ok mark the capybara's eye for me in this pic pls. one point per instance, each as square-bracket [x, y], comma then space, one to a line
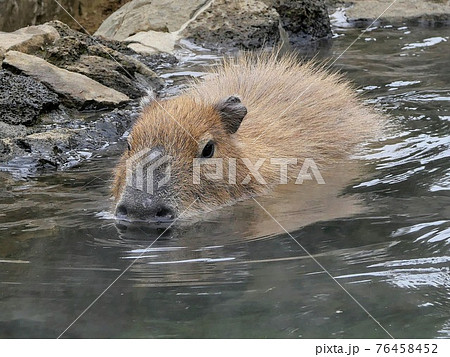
[129, 146]
[208, 150]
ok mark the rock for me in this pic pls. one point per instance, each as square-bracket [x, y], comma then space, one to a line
[9, 149]
[23, 100]
[152, 42]
[87, 13]
[248, 23]
[110, 74]
[427, 11]
[102, 60]
[4, 149]
[130, 66]
[73, 43]
[11, 131]
[145, 15]
[157, 60]
[66, 50]
[51, 143]
[151, 26]
[303, 20]
[74, 88]
[79, 72]
[51, 149]
[28, 39]
[64, 147]
[39, 142]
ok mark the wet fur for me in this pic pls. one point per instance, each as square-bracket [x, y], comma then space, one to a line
[294, 110]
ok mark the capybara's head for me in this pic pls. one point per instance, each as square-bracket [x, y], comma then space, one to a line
[172, 144]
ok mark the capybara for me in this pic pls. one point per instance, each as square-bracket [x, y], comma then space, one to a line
[249, 125]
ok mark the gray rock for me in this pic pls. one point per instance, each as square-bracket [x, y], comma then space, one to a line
[64, 147]
[50, 149]
[50, 145]
[108, 73]
[23, 100]
[74, 88]
[149, 26]
[150, 42]
[148, 15]
[5, 150]
[65, 31]
[88, 13]
[425, 12]
[12, 131]
[246, 24]
[303, 20]
[28, 39]
[143, 77]
[81, 72]
[103, 61]
[8, 150]
[157, 60]
[66, 51]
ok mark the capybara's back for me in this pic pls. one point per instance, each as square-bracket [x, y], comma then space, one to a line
[293, 109]
[251, 124]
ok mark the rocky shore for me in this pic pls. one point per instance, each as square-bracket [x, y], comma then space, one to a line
[53, 79]
[65, 95]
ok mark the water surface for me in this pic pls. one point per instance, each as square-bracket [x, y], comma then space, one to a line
[383, 235]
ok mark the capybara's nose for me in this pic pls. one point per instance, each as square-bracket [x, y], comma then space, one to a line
[122, 211]
[156, 213]
[164, 212]
[135, 205]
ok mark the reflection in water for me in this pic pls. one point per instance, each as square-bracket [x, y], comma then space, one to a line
[380, 225]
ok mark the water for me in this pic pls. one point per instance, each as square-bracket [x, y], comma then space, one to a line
[384, 235]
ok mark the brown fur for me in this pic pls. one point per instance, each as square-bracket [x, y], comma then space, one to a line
[294, 110]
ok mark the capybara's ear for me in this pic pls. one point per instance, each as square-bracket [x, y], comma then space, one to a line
[232, 111]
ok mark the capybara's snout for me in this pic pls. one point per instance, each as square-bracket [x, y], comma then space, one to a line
[137, 205]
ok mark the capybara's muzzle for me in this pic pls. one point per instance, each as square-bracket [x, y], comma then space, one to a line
[137, 205]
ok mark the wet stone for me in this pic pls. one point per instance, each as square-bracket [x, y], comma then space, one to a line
[23, 99]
